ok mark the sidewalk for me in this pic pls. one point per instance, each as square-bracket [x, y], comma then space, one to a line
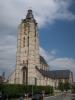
[27, 99]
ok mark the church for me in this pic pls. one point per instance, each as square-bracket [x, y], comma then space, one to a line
[31, 67]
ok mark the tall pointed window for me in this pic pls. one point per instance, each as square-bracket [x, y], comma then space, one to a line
[25, 31]
[28, 28]
[24, 42]
[28, 41]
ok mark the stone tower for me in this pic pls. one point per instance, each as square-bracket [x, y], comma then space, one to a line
[27, 51]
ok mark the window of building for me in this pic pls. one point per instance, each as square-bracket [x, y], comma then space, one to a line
[24, 26]
[28, 28]
[23, 62]
[25, 31]
[24, 42]
[28, 41]
[35, 32]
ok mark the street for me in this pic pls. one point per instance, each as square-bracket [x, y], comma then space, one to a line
[58, 98]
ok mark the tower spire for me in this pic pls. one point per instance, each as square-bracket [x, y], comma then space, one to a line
[29, 14]
[27, 51]
[29, 17]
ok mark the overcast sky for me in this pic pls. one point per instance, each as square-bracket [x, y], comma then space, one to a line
[56, 22]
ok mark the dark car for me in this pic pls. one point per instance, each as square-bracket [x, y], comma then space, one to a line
[0, 96]
[37, 97]
[73, 97]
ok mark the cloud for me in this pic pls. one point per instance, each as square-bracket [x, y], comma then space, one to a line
[45, 12]
[7, 54]
[47, 55]
[63, 63]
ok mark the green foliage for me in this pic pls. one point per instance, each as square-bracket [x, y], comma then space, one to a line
[67, 86]
[15, 90]
[61, 86]
[73, 88]
[64, 86]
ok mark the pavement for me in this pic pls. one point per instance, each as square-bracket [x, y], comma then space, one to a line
[58, 98]
[55, 98]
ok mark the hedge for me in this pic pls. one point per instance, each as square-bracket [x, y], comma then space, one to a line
[73, 88]
[15, 90]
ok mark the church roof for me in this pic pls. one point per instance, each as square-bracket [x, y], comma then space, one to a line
[55, 74]
[60, 74]
[29, 14]
[43, 60]
[29, 17]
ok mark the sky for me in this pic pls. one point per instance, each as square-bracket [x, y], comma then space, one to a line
[56, 26]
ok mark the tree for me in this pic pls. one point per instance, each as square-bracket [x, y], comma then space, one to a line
[67, 86]
[73, 88]
[64, 86]
[61, 86]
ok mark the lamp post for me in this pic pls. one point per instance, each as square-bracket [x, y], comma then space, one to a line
[33, 83]
[32, 91]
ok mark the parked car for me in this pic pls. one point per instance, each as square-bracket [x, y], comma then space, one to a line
[0, 96]
[73, 97]
[37, 97]
[3, 97]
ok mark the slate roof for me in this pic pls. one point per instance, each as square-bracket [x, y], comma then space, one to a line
[55, 74]
[29, 14]
[60, 74]
[29, 17]
[44, 73]
[43, 60]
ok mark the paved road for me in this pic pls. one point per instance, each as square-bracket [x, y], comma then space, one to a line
[58, 98]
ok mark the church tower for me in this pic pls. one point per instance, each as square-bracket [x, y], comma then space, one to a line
[27, 51]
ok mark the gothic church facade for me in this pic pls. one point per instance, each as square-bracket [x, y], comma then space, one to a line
[31, 67]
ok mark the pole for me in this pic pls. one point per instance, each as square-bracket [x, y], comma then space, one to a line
[32, 91]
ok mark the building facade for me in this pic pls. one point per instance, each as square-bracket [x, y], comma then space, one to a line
[31, 67]
[28, 57]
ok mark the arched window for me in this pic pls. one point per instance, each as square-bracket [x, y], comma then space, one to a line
[28, 41]
[24, 42]
[25, 75]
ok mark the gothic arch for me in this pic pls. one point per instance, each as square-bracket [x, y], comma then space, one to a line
[25, 75]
